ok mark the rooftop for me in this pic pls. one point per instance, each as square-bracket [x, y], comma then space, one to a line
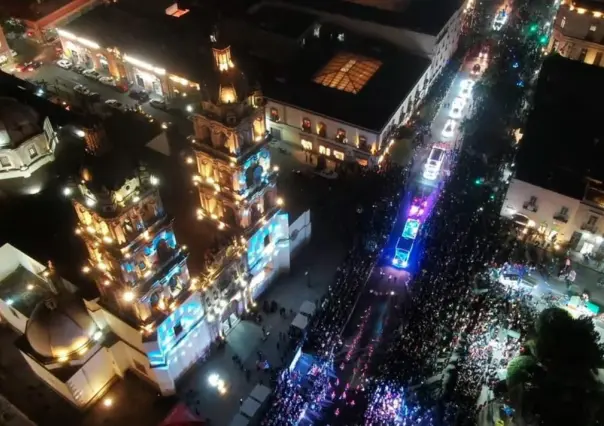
[563, 141]
[178, 45]
[23, 290]
[33, 10]
[358, 80]
[281, 21]
[424, 16]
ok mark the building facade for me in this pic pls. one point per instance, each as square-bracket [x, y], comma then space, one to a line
[125, 68]
[554, 219]
[578, 32]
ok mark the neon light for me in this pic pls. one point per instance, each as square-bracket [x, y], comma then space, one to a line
[404, 245]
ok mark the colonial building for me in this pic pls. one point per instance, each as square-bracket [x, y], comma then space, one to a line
[557, 191]
[578, 32]
[336, 99]
[27, 145]
[237, 191]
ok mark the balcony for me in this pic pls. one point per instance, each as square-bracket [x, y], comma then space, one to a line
[531, 207]
[561, 217]
[245, 150]
[590, 228]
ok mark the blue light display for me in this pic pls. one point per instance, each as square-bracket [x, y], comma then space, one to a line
[265, 238]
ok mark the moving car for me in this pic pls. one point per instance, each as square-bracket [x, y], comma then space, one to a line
[484, 53]
[112, 103]
[500, 20]
[404, 245]
[81, 89]
[64, 63]
[457, 107]
[158, 104]
[434, 163]
[139, 95]
[449, 129]
[28, 66]
[90, 73]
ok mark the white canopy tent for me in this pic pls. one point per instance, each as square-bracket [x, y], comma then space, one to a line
[308, 308]
[300, 321]
[260, 393]
[239, 420]
[249, 408]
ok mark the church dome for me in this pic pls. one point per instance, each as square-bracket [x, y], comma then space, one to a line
[59, 326]
[18, 122]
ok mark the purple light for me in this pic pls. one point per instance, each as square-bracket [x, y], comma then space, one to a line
[418, 207]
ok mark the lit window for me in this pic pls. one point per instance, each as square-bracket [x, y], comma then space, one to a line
[307, 145]
[5, 162]
[339, 155]
[324, 151]
[322, 130]
[274, 114]
[341, 136]
[32, 152]
[563, 22]
[592, 28]
[306, 125]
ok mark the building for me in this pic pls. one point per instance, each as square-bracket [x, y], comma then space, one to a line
[159, 51]
[556, 193]
[342, 95]
[237, 191]
[42, 17]
[76, 356]
[27, 147]
[578, 32]
[430, 29]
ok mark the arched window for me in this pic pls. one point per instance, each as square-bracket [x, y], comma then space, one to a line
[341, 136]
[306, 126]
[322, 129]
[274, 114]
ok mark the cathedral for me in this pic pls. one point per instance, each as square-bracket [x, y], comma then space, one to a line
[151, 317]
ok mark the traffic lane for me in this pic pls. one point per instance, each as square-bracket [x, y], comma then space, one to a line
[63, 81]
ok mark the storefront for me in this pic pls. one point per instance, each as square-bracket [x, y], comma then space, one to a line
[79, 55]
[147, 81]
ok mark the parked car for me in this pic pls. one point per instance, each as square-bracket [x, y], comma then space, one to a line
[94, 96]
[79, 69]
[90, 73]
[64, 63]
[81, 89]
[109, 81]
[112, 103]
[158, 104]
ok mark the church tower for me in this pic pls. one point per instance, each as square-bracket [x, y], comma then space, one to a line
[146, 295]
[236, 180]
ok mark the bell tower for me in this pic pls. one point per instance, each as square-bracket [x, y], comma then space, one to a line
[234, 174]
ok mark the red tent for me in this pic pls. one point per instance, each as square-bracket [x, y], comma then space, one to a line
[181, 416]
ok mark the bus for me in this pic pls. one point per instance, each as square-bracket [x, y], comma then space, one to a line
[404, 245]
[434, 163]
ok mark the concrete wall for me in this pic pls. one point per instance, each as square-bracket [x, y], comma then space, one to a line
[91, 381]
[12, 258]
[50, 379]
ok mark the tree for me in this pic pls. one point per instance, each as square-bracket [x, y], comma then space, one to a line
[555, 382]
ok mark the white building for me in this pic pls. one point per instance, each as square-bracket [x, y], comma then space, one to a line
[558, 218]
[557, 189]
[343, 95]
[27, 143]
